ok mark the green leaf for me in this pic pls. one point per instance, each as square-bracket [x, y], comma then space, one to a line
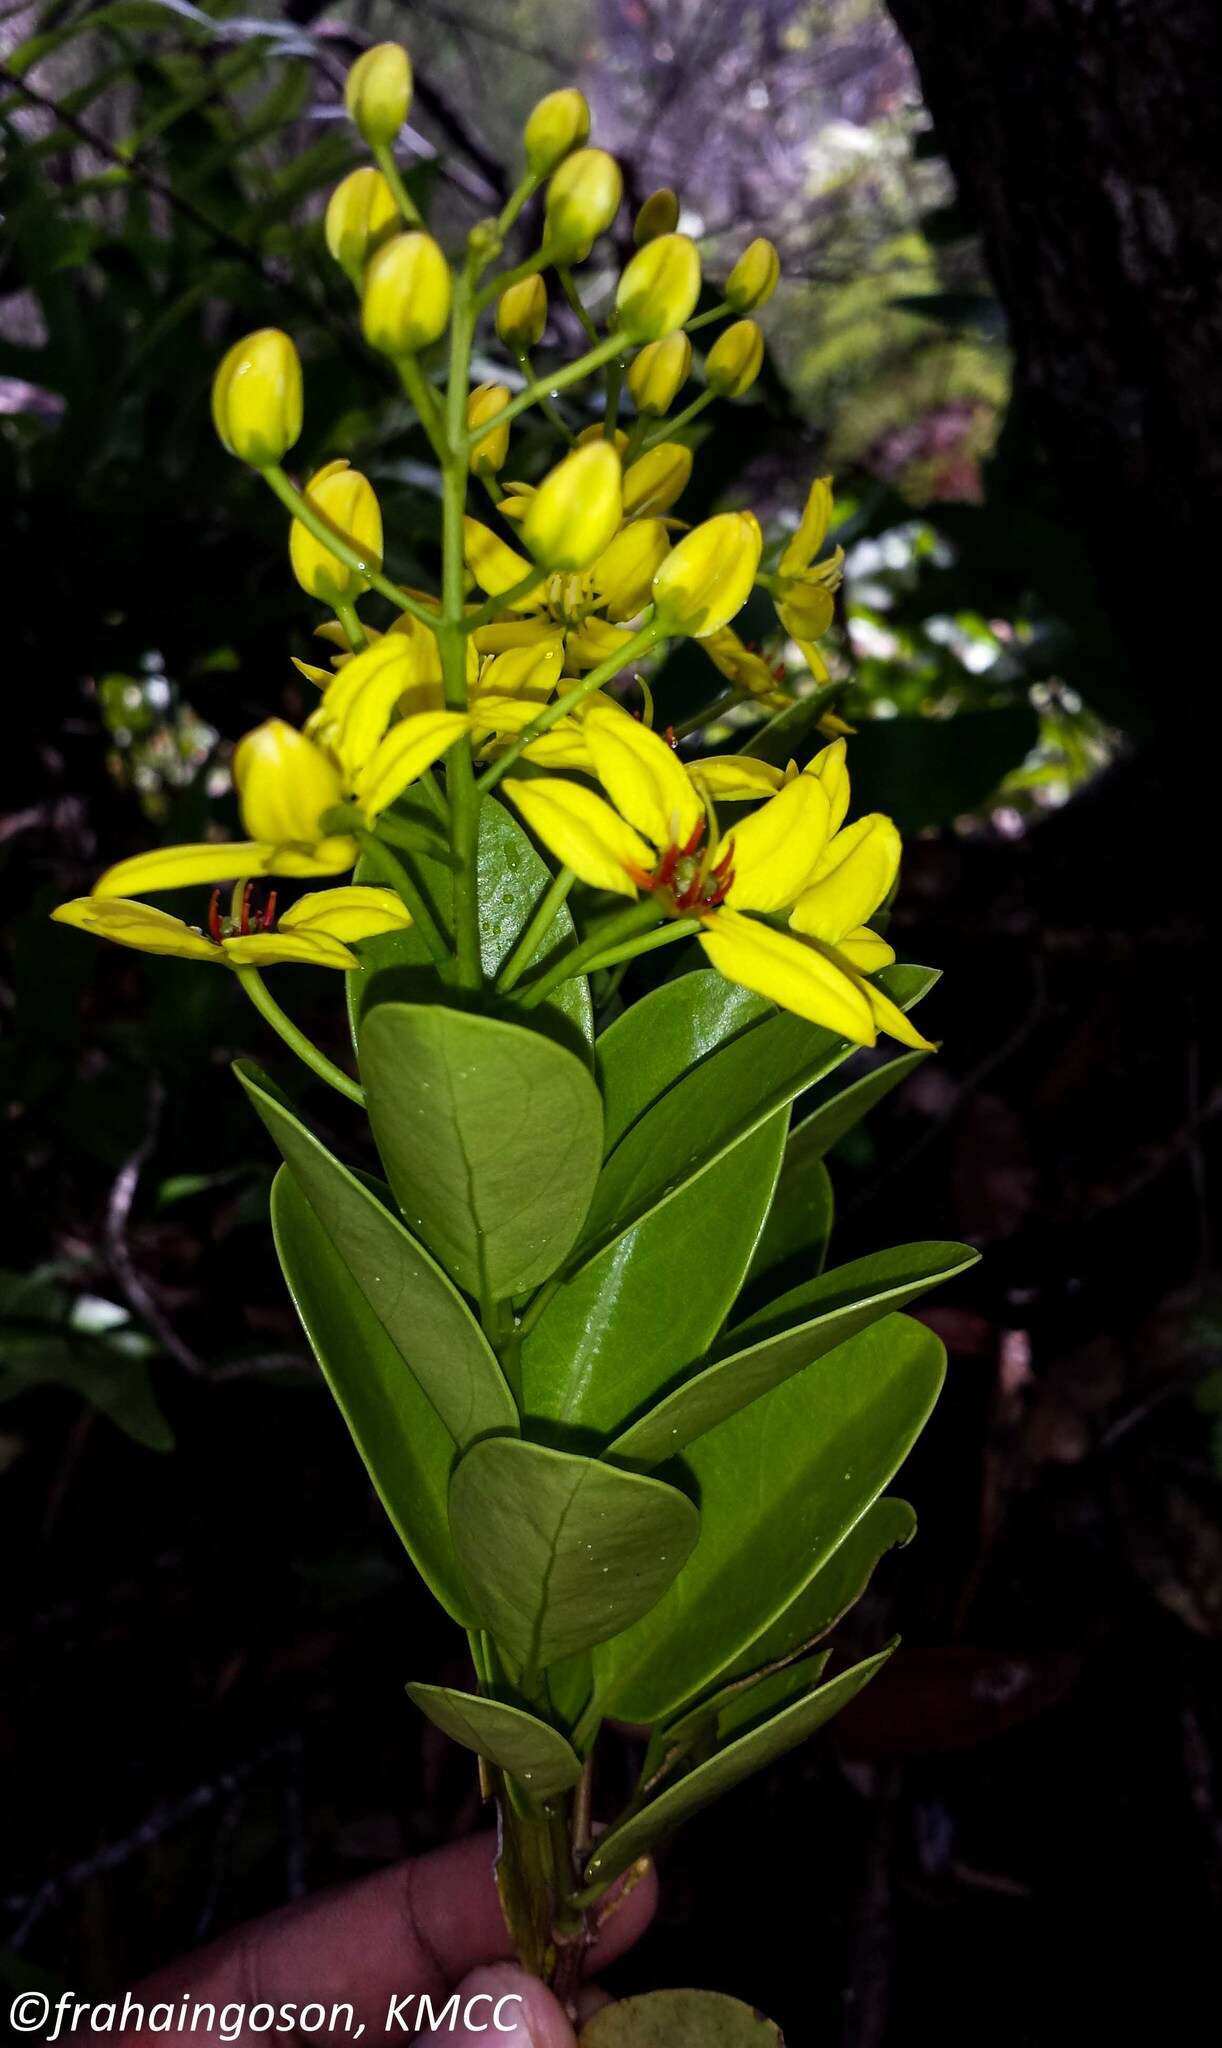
[615, 1334]
[491, 1136]
[512, 877]
[889, 1524]
[830, 1122]
[621, 1846]
[658, 1039]
[786, 1337]
[799, 1227]
[780, 1486]
[680, 2019]
[561, 1551]
[691, 1126]
[406, 1448]
[783, 738]
[421, 1311]
[513, 1740]
[733, 1708]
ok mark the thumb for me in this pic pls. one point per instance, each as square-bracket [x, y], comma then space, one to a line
[501, 2003]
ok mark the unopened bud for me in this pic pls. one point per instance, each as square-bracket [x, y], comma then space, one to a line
[709, 576]
[378, 92]
[346, 500]
[658, 216]
[735, 359]
[582, 201]
[576, 510]
[659, 372]
[361, 215]
[559, 123]
[521, 314]
[285, 784]
[623, 573]
[659, 288]
[406, 300]
[655, 480]
[256, 398]
[488, 454]
[754, 277]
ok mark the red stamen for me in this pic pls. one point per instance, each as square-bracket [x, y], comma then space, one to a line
[669, 737]
[638, 875]
[666, 867]
[693, 841]
[214, 916]
[244, 920]
[268, 918]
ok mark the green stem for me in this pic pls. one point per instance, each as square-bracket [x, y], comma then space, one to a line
[549, 411]
[391, 869]
[342, 548]
[390, 171]
[649, 636]
[529, 268]
[668, 428]
[269, 1009]
[615, 381]
[571, 293]
[683, 928]
[572, 373]
[537, 928]
[613, 931]
[707, 319]
[522, 191]
[425, 400]
[464, 797]
[354, 632]
[565, 1919]
[725, 702]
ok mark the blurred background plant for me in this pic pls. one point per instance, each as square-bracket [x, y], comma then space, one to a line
[165, 167]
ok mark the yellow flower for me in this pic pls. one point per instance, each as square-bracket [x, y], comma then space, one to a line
[521, 313]
[738, 778]
[623, 574]
[346, 500]
[361, 215]
[651, 837]
[483, 404]
[316, 932]
[257, 398]
[655, 480]
[743, 667]
[709, 576]
[582, 201]
[754, 277]
[659, 288]
[378, 92]
[659, 372]
[803, 589]
[556, 124]
[406, 300]
[577, 508]
[659, 215]
[735, 359]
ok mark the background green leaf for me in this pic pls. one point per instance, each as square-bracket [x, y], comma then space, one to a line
[680, 2019]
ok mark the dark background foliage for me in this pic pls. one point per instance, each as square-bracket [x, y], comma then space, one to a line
[206, 1627]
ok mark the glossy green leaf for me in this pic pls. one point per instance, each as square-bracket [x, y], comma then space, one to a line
[680, 2019]
[780, 1486]
[826, 1125]
[698, 1120]
[748, 1705]
[793, 1243]
[491, 1136]
[888, 1525]
[792, 733]
[512, 877]
[659, 1038]
[785, 1338]
[621, 1846]
[561, 1551]
[421, 1311]
[406, 1448]
[616, 1333]
[513, 1740]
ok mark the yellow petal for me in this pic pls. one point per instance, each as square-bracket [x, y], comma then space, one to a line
[812, 528]
[866, 950]
[505, 633]
[582, 831]
[384, 674]
[272, 949]
[184, 867]
[773, 851]
[408, 749]
[850, 880]
[321, 677]
[831, 769]
[503, 714]
[708, 577]
[495, 565]
[136, 924]
[736, 778]
[806, 612]
[745, 669]
[654, 481]
[530, 672]
[357, 912]
[644, 778]
[565, 746]
[594, 642]
[891, 1019]
[624, 571]
[285, 782]
[797, 976]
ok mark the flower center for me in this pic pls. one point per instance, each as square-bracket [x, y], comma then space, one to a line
[251, 918]
[695, 882]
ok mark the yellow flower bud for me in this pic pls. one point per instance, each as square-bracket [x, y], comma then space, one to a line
[346, 499]
[708, 577]
[658, 216]
[285, 782]
[378, 92]
[576, 510]
[256, 398]
[559, 123]
[659, 288]
[754, 276]
[596, 431]
[659, 372]
[484, 402]
[735, 359]
[623, 573]
[406, 301]
[582, 201]
[654, 481]
[521, 314]
[361, 215]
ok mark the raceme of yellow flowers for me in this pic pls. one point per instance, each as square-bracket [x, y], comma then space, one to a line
[523, 666]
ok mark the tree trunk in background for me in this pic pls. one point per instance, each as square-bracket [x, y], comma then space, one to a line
[1086, 139]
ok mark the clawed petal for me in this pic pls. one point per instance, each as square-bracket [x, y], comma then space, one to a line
[582, 831]
[736, 778]
[830, 767]
[184, 867]
[408, 749]
[273, 949]
[136, 924]
[812, 529]
[775, 849]
[357, 912]
[643, 776]
[496, 566]
[853, 876]
[797, 976]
